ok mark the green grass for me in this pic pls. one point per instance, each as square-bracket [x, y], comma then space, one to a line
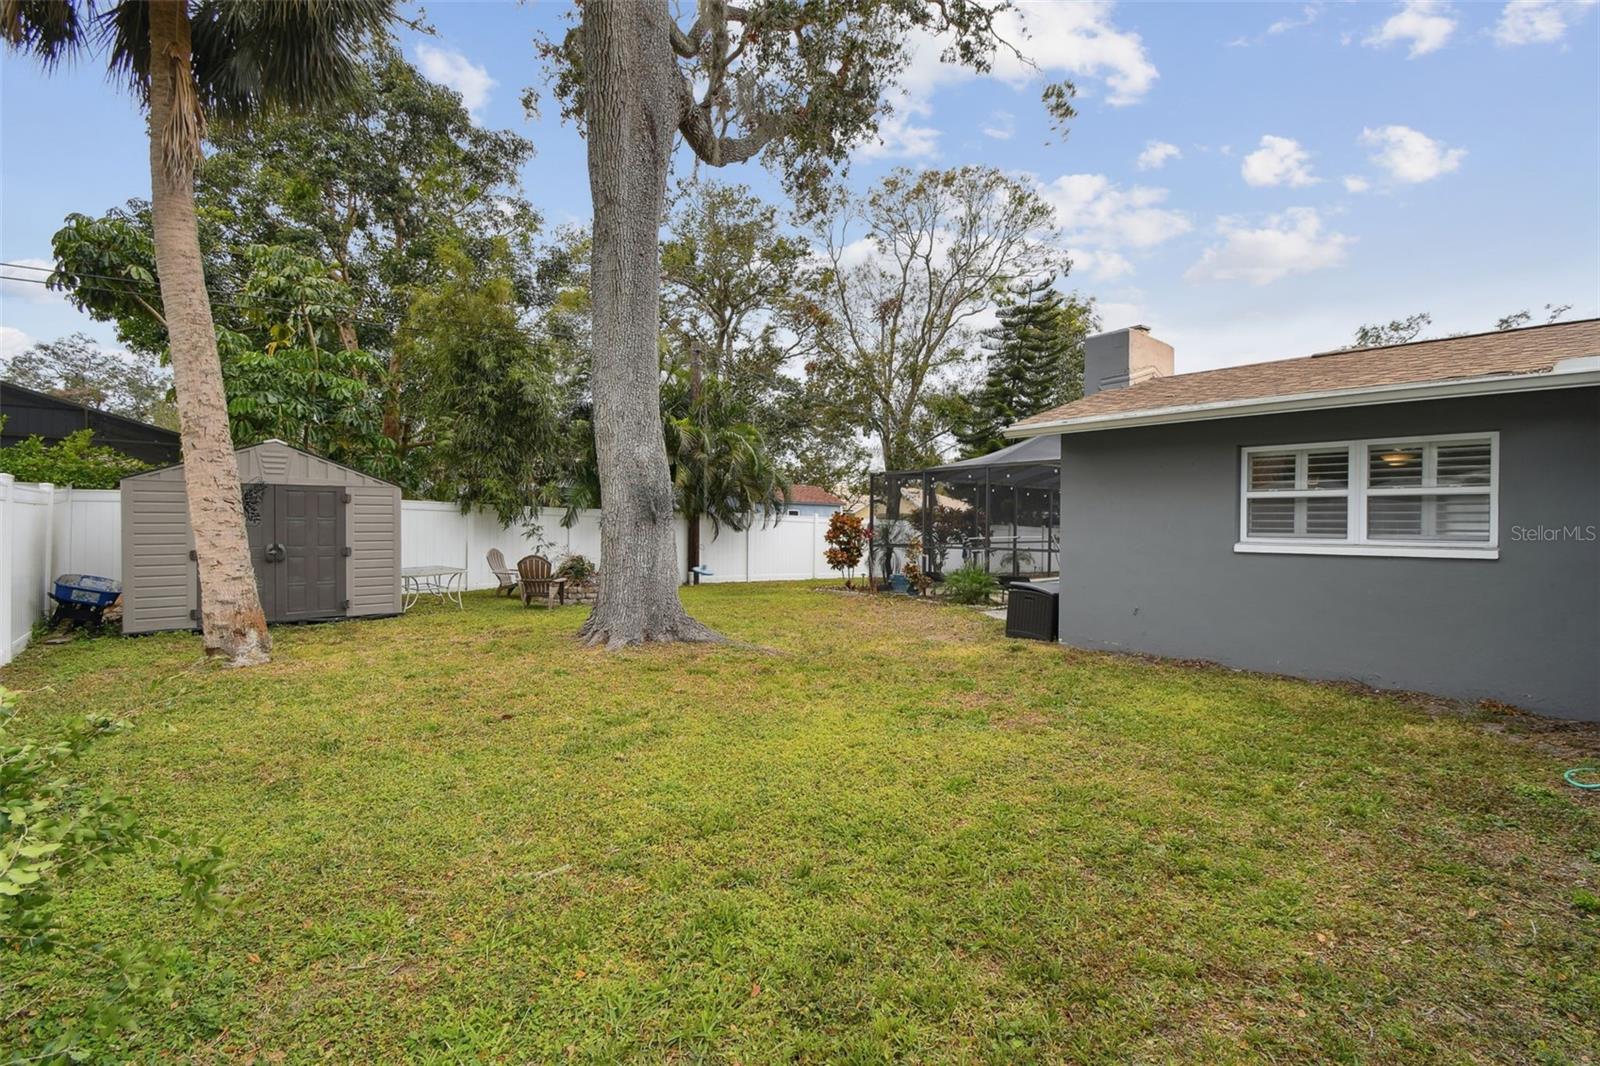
[890, 835]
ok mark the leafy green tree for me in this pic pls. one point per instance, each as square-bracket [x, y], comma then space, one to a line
[1518, 319]
[289, 377]
[76, 460]
[796, 83]
[76, 368]
[380, 189]
[491, 401]
[245, 58]
[1035, 362]
[1400, 331]
[719, 462]
[944, 246]
[735, 289]
[106, 266]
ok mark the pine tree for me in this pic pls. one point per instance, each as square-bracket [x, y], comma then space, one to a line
[1035, 362]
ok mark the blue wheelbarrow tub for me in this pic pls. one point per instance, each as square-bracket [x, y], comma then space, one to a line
[87, 589]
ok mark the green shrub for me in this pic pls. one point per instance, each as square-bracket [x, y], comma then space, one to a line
[970, 584]
[75, 461]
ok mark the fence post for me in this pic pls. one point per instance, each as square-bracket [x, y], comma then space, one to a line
[7, 563]
[49, 491]
[69, 562]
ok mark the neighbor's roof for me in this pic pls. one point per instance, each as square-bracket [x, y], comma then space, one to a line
[1503, 361]
[813, 494]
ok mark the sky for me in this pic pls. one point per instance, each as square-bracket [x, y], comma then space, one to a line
[1251, 181]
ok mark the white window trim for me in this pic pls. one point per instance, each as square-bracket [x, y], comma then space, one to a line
[1356, 541]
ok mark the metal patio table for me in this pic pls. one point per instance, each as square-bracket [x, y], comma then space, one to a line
[444, 582]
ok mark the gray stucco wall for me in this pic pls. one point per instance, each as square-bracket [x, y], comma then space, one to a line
[1150, 517]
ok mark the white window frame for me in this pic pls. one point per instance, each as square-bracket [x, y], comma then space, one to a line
[1356, 541]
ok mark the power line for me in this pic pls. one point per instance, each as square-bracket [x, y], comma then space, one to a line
[236, 305]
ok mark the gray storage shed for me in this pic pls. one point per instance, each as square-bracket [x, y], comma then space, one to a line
[324, 539]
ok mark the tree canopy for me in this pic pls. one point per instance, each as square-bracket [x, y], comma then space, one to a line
[75, 368]
[912, 264]
[1035, 362]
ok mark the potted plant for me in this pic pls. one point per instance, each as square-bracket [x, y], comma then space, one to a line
[579, 571]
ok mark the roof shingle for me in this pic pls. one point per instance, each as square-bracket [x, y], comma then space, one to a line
[814, 494]
[1533, 350]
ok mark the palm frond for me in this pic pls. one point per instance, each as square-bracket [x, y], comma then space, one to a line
[50, 30]
[251, 55]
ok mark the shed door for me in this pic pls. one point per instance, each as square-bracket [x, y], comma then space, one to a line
[309, 573]
[261, 528]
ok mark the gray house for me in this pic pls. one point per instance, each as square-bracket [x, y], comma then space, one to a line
[1423, 516]
[324, 539]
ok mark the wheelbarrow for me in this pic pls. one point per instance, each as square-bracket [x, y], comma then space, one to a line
[83, 598]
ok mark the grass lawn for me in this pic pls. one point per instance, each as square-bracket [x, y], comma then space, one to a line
[893, 835]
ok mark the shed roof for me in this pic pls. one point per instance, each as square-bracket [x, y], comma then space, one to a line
[269, 449]
[1502, 361]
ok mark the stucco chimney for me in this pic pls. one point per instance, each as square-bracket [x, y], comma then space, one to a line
[1123, 357]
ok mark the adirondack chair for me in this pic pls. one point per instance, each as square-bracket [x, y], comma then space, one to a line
[503, 573]
[533, 573]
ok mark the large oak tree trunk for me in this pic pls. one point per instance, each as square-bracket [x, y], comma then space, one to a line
[631, 110]
[230, 608]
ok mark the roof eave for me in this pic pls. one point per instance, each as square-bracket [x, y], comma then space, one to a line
[1312, 401]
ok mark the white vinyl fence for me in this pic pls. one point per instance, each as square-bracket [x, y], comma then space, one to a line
[46, 531]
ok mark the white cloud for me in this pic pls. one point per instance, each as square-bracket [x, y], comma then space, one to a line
[1077, 40]
[1278, 161]
[24, 281]
[899, 135]
[13, 342]
[1426, 24]
[1002, 124]
[1293, 242]
[1538, 21]
[1356, 184]
[1099, 221]
[1156, 154]
[1118, 314]
[1409, 156]
[1308, 14]
[455, 71]
[1101, 264]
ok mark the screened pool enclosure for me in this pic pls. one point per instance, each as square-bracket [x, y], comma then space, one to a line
[1000, 511]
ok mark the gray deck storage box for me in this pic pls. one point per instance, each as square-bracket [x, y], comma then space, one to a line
[324, 539]
[1033, 610]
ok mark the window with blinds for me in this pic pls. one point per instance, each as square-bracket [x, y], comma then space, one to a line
[1421, 492]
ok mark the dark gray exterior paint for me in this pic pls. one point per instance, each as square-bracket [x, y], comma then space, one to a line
[1150, 516]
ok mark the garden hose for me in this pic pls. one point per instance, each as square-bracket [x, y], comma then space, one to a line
[1571, 777]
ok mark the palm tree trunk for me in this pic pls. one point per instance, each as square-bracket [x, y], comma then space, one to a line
[230, 607]
[631, 106]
